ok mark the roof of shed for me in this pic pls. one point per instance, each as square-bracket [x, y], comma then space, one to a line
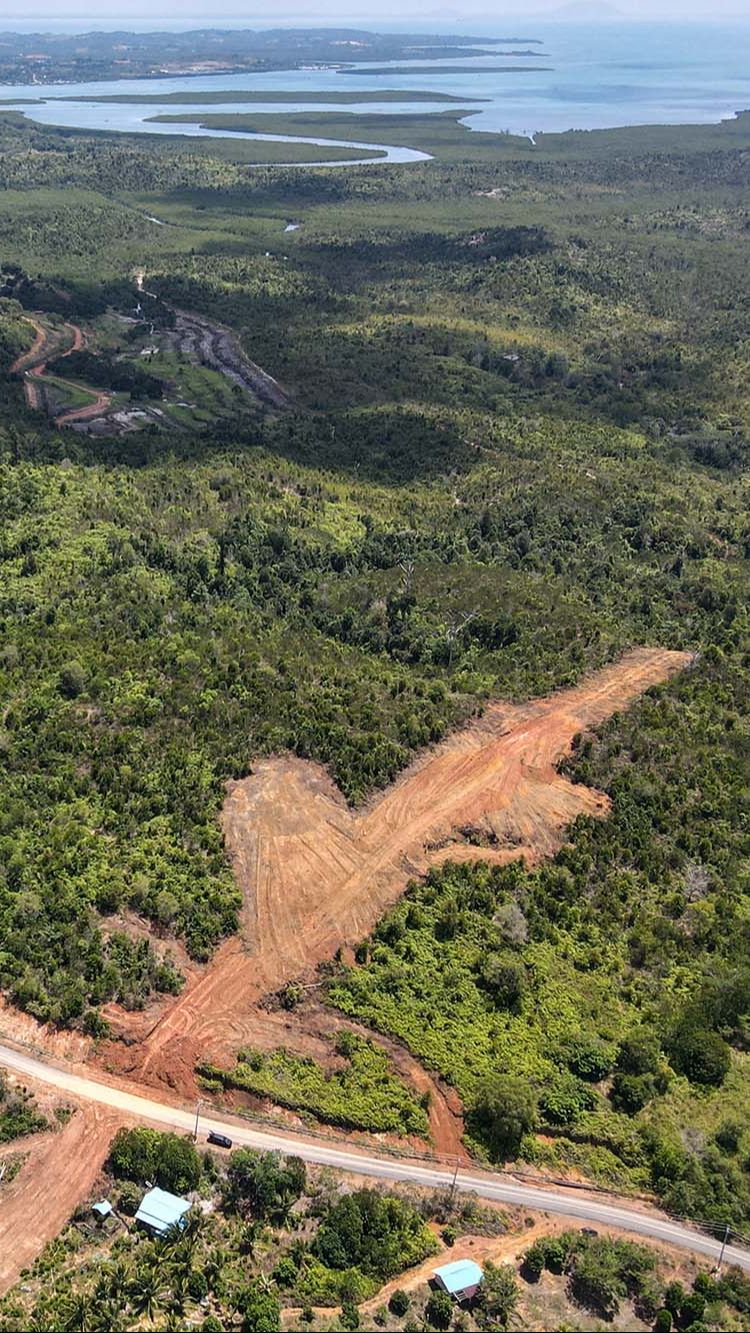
[161, 1210]
[459, 1275]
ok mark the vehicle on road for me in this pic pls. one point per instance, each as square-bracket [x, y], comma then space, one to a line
[219, 1140]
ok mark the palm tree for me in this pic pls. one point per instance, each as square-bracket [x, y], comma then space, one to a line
[145, 1291]
[178, 1294]
[108, 1315]
[117, 1281]
[39, 1321]
[195, 1225]
[77, 1313]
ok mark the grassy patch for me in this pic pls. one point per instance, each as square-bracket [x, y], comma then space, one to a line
[364, 1094]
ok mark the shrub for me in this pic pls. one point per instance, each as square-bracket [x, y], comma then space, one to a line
[438, 1311]
[285, 1272]
[142, 1154]
[692, 1309]
[702, 1056]
[638, 1054]
[129, 1198]
[674, 1295]
[566, 1099]
[260, 1310]
[498, 1295]
[505, 979]
[663, 1321]
[72, 680]
[588, 1058]
[728, 1136]
[534, 1261]
[503, 1110]
[631, 1092]
[376, 1233]
[399, 1302]
[263, 1183]
[349, 1316]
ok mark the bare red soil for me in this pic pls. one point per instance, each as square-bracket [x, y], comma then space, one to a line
[34, 363]
[317, 876]
[28, 357]
[59, 1173]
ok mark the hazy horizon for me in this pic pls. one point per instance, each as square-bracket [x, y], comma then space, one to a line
[358, 13]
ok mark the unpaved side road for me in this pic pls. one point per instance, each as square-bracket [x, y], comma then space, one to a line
[58, 1174]
[33, 365]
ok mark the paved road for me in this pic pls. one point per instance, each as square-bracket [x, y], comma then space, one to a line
[503, 1189]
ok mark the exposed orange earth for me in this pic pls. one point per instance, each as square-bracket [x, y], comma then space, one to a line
[60, 1170]
[33, 363]
[316, 876]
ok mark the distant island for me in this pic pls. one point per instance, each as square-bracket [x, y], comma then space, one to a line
[44, 58]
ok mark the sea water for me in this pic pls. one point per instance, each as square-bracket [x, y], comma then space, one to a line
[595, 76]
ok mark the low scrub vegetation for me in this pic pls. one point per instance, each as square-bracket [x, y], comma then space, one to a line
[364, 1094]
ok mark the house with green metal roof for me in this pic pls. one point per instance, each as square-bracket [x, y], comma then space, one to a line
[461, 1279]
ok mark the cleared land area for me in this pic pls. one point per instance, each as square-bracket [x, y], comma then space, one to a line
[317, 876]
[210, 344]
[32, 364]
[59, 1172]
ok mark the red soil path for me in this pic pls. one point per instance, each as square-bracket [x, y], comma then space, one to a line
[28, 357]
[34, 362]
[59, 1173]
[317, 876]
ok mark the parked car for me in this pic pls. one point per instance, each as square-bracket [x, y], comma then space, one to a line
[220, 1140]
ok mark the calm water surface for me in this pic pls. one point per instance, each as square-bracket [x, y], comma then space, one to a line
[597, 76]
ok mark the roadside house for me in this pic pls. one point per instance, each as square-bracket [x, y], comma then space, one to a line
[160, 1211]
[461, 1279]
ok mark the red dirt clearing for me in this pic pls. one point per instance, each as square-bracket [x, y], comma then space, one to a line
[59, 1173]
[316, 876]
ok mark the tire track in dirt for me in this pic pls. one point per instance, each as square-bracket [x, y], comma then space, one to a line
[316, 876]
[58, 1174]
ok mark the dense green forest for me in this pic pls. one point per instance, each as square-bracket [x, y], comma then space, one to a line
[517, 444]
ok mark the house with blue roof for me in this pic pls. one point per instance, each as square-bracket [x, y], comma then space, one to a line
[160, 1211]
[461, 1279]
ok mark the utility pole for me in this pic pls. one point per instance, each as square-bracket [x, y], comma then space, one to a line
[197, 1114]
[723, 1247]
[454, 1183]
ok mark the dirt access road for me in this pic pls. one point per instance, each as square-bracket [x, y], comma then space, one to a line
[60, 1171]
[316, 875]
[572, 1203]
[32, 364]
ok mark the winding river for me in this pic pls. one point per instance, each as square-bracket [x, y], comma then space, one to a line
[583, 76]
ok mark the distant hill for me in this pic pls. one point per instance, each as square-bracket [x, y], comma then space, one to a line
[586, 11]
